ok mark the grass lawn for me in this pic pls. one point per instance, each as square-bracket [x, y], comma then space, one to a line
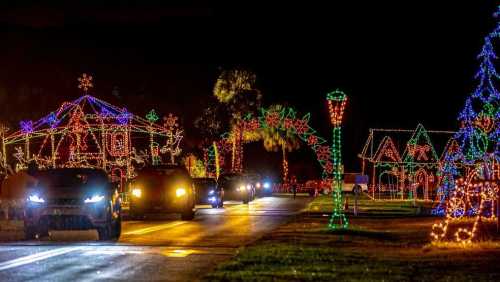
[373, 249]
[324, 204]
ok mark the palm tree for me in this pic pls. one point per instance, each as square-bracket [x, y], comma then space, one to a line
[276, 139]
[236, 90]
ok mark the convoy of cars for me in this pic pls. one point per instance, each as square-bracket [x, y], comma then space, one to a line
[85, 198]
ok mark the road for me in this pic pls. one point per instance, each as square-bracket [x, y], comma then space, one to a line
[161, 248]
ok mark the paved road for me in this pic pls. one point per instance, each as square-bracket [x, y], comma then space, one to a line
[164, 248]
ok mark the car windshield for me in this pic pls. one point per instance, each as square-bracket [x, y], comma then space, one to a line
[204, 181]
[70, 178]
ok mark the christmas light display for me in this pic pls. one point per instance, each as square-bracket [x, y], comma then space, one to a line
[174, 137]
[87, 132]
[398, 175]
[194, 166]
[285, 118]
[336, 106]
[470, 192]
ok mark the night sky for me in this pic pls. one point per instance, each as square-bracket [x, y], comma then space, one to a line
[400, 63]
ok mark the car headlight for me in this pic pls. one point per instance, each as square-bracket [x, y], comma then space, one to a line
[180, 192]
[36, 199]
[257, 185]
[249, 187]
[136, 192]
[241, 188]
[94, 199]
[267, 185]
[211, 192]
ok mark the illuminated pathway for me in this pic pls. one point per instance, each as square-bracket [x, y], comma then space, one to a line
[156, 249]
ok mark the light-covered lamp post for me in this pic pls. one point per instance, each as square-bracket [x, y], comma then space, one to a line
[336, 105]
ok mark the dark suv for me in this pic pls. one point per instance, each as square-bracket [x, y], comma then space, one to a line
[72, 199]
[162, 189]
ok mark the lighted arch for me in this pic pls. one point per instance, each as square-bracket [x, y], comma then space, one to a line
[284, 119]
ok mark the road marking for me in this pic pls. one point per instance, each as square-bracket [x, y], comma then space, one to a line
[36, 257]
[154, 228]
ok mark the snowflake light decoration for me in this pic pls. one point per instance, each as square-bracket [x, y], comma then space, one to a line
[85, 82]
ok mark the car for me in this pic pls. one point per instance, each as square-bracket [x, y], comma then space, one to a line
[236, 187]
[72, 199]
[208, 192]
[162, 189]
[263, 185]
[354, 183]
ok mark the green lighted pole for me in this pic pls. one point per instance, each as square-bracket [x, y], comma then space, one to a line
[336, 105]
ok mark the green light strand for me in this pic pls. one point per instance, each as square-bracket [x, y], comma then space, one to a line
[338, 220]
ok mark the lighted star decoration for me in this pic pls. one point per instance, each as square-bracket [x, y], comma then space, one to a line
[170, 122]
[85, 82]
[152, 117]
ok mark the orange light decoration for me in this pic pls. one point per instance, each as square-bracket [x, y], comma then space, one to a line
[85, 82]
[336, 104]
[474, 196]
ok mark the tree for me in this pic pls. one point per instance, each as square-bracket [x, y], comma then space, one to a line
[213, 122]
[276, 139]
[236, 90]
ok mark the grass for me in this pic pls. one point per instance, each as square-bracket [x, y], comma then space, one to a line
[387, 248]
[324, 204]
[285, 262]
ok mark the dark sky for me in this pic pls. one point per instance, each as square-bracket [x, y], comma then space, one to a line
[400, 63]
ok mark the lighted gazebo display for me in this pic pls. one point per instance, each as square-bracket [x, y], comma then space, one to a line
[89, 132]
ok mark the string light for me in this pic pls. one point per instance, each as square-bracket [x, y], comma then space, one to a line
[336, 104]
[474, 195]
[86, 132]
[417, 167]
[285, 119]
[85, 82]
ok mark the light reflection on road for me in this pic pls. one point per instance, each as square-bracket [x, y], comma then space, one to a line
[159, 248]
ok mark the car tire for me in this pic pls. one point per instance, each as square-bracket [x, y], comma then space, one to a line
[245, 201]
[117, 230]
[187, 215]
[221, 203]
[215, 206]
[134, 215]
[356, 189]
[105, 233]
[30, 232]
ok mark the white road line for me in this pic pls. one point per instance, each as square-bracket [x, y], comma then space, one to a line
[154, 228]
[36, 257]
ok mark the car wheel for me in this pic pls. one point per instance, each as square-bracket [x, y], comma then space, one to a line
[187, 215]
[356, 189]
[134, 215]
[214, 206]
[245, 201]
[117, 230]
[105, 232]
[30, 232]
[221, 203]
